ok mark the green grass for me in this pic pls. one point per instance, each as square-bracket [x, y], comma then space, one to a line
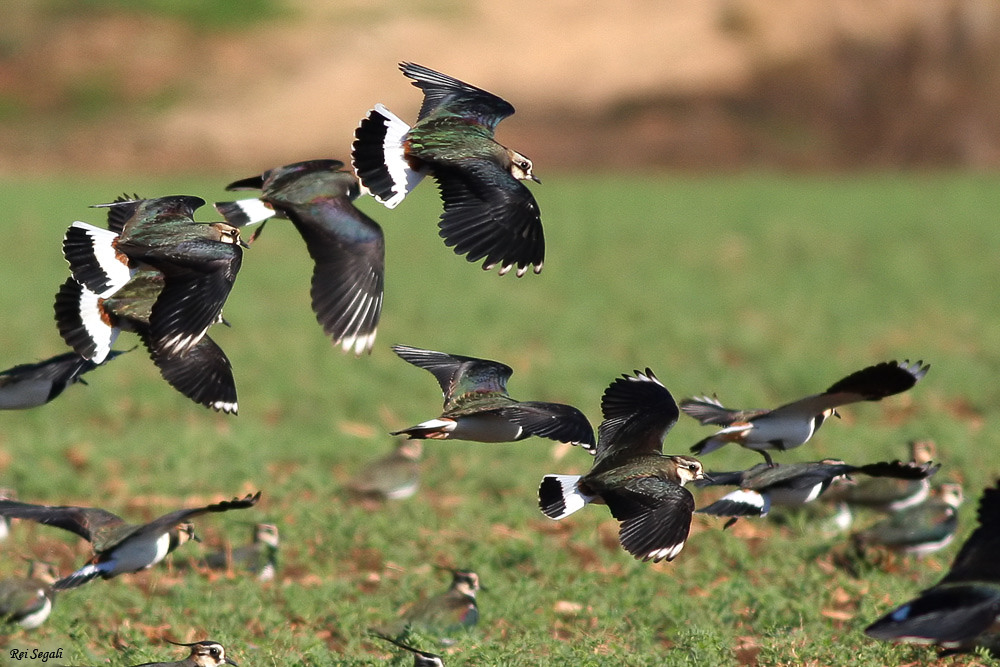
[760, 288]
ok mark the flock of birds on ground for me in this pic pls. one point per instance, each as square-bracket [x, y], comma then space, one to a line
[160, 274]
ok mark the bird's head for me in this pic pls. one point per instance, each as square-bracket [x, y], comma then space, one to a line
[688, 469]
[185, 533]
[223, 232]
[520, 167]
[207, 654]
[266, 533]
[466, 582]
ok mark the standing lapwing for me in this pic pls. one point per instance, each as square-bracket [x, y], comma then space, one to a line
[420, 658]
[488, 213]
[31, 385]
[119, 547]
[394, 476]
[795, 484]
[477, 406]
[961, 610]
[918, 529]
[794, 423]
[643, 488]
[203, 654]
[887, 494]
[347, 247]
[259, 557]
[28, 601]
[447, 612]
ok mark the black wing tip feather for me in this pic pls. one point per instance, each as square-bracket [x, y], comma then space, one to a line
[898, 469]
[251, 183]
[72, 581]
[953, 615]
[423, 74]
[653, 543]
[881, 380]
[728, 507]
[988, 512]
[203, 374]
[432, 359]
[556, 421]
[417, 355]
[626, 392]
[490, 216]
[237, 503]
[347, 303]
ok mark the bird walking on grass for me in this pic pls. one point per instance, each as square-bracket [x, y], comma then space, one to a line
[488, 213]
[445, 613]
[259, 557]
[643, 488]
[793, 424]
[889, 494]
[795, 484]
[962, 610]
[32, 385]
[347, 247]
[477, 406]
[119, 547]
[919, 529]
[203, 654]
[27, 602]
[394, 476]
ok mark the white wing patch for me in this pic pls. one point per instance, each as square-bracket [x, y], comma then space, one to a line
[573, 500]
[403, 177]
[101, 333]
[751, 498]
[254, 211]
[117, 272]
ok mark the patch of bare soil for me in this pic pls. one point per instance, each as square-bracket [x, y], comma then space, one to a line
[623, 83]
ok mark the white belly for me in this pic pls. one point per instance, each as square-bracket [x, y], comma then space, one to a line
[485, 428]
[795, 497]
[789, 432]
[139, 554]
[32, 621]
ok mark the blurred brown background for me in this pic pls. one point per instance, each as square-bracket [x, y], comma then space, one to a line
[167, 85]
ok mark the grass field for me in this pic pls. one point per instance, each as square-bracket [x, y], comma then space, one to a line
[760, 288]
